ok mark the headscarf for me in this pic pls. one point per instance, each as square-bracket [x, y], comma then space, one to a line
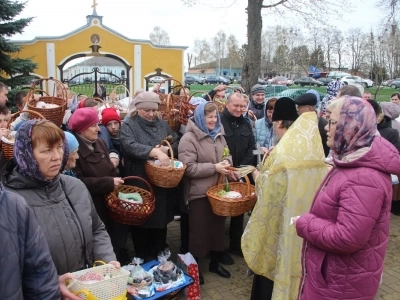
[200, 120]
[356, 127]
[26, 163]
[331, 91]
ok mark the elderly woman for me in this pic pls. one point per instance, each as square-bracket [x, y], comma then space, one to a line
[202, 150]
[140, 136]
[263, 130]
[61, 204]
[73, 146]
[346, 231]
[94, 166]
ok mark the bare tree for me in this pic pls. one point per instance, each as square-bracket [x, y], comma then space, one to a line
[202, 50]
[159, 36]
[328, 37]
[357, 45]
[189, 59]
[338, 47]
[301, 8]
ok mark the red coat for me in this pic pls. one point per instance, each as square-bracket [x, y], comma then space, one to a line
[346, 232]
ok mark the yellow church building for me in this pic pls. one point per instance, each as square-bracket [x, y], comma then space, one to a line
[140, 58]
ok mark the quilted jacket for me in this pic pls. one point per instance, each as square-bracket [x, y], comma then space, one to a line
[27, 271]
[346, 232]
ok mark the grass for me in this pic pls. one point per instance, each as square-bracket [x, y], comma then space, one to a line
[382, 94]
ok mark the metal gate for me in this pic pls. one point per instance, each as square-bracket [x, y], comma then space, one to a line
[98, 84]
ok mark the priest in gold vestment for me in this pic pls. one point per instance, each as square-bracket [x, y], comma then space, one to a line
[285, 187]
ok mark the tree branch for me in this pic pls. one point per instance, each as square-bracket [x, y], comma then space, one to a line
[275, 4]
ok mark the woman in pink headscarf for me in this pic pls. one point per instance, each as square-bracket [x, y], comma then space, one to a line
[346, 231]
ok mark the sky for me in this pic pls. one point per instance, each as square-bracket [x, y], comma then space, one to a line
[136, 18]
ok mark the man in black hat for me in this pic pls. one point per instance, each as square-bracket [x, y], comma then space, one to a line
[307, 103]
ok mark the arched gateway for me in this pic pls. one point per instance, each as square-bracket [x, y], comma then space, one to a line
[134, 59]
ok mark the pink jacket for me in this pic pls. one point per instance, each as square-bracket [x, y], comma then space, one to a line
[346, 232]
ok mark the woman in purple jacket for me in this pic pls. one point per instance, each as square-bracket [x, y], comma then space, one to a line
[346, 231]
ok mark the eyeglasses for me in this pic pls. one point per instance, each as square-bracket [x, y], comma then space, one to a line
[330, 122]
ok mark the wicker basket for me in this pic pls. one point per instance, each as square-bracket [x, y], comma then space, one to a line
[6, 146]
[228, 207]
[122, 113]
[170, 106]
[220, 105]
[131, 213]
[56, 114]
[112, 288]
[166, 177]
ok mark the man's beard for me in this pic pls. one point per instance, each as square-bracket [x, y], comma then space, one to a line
[275, 140]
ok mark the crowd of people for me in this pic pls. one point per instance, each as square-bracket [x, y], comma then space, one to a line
[324, 186]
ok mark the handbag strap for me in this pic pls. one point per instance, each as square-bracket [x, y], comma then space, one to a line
[80, 229]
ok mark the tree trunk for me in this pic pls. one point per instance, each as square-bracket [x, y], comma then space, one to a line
[252, 61]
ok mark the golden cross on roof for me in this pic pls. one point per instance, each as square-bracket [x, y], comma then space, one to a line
[94, 4]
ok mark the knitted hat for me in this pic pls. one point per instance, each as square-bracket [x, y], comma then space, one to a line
[82, 119]
[147, 100]
[391, 110]
[285, 109]
[108, 115]
[258, 88]
[72, 141]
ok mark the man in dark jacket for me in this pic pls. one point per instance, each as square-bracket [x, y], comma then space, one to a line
[306, 103]
[241, 143]
[27, 271]
[257, 101]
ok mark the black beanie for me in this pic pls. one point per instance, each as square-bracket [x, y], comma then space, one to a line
[285, 109]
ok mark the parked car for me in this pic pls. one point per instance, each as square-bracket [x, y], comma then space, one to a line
[261, 81]
[387, 82]
[337, 74]
[325, 80]
[395, 84]
[216, 80]
[289, 82]
[193, 80]
[75, 81]
[304, 81]
[293, 93]
[357, 80]
[156, 79]
[230, 79]
[272, 90]
[87, 80]
[103, 80]
[279, 80]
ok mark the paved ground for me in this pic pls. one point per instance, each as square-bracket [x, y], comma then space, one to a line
[239, 286]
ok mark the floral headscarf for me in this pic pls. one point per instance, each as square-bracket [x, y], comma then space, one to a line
[356, 127]
[26, 163]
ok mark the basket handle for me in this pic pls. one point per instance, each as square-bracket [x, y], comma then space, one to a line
[246, 178]
[170, 151]
[171, 78]
[141, 179]
[126, 90]
[56, 82]
[89, 295]
[14, 116]
[100, 262]
[100, 100]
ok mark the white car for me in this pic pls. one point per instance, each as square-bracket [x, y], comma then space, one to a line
[157, 79]
[357, 80]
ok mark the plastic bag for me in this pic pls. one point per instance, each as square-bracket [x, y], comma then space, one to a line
[138, 274]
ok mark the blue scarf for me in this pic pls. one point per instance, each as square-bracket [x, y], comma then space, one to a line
[26, 163]
[200, 120]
